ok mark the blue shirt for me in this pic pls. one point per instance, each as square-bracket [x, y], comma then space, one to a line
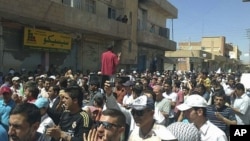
[3, 134]
[4, 112]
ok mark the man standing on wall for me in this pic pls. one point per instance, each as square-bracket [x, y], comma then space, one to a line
[109, 61]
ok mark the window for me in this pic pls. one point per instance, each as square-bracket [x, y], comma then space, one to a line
[90, 6]
[129, 46]
[111, 13]
[164, 32]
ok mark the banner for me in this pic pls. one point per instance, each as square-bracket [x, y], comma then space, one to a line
[43, 39]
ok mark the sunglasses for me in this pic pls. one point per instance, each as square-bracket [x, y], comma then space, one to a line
[106, 125]
[138, 113]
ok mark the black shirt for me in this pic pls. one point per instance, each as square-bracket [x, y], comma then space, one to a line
[75, 124]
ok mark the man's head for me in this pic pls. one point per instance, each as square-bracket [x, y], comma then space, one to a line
[31, 90]
[143, 110]
[23, 122]
[204, 74]
[111, 125]
[137, 90]
[219, 99]
[72, 98]
[128, 85]
[47, 83]
[239, 89]
[168, 85]
[53, 91]
[231, 80]
[94, 85]
[110, 47]
[158, 90]
[15, 81]
[194, 107]
[6, 92]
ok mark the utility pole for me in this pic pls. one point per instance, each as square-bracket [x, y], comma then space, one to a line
[248, 37]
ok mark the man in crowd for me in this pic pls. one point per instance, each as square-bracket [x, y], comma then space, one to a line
[109, 61]
[23, 123]
[172, 96]
[109, 128]
[6, 105]
[219, 114]
[128, 98]
[74, 121]
[195, 111]
[31, 92]
[241, 106]
[146, 129]
[46, 122]
[161, 103]
[94, 91]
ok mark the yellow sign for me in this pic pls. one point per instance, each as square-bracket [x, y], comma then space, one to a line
[46, 39]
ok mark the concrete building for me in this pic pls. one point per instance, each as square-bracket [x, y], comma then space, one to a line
[74, 33]
[210, 54]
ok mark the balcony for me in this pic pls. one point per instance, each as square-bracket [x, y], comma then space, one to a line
[153, 36]
[63, 18]
[151, 40]
[163, 6]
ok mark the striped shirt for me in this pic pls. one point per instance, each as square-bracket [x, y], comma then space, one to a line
[225, 112]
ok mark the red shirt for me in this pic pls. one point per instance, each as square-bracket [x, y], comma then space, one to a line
[109, 63]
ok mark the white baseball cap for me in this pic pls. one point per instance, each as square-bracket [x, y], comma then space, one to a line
[194, 100]
[16, 78]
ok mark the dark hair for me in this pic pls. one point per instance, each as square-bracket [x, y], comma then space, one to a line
[137, 88]
[30, 111]
[204, 109]
[220, 94]
[152, 93]
[185, 87]
[110, 47]
[121, 119]
[240, 86]
[99, 100]
[47, 79]
[56, 89]
[75, 92]
[63, 82]
[231, 77]
[202, 86]
[204, 73]
[32, 87]
[177, 83]
[168, 81]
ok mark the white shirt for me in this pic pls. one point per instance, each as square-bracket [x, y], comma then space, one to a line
[210, 132]
[127, 99]
[46, 122]
[157, 133]
[243, 105]
[228, 90]
[172, 97]
[43, 93]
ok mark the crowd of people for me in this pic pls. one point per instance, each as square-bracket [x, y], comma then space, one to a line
[169, 105]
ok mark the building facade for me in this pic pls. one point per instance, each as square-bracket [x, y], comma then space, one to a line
[210, 54]
[91, 25]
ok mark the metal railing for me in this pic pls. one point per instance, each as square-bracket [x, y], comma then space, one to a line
[162, 31]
